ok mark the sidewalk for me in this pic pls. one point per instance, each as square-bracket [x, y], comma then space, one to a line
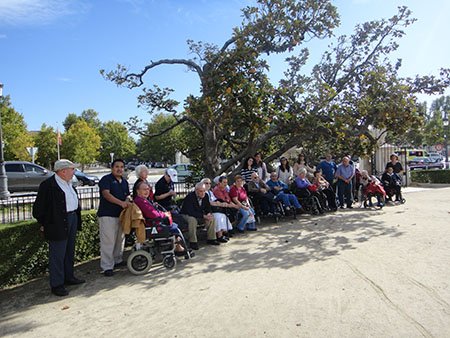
[354, 273]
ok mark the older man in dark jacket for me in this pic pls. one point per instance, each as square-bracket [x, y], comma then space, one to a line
[196, 210]
[57, 210]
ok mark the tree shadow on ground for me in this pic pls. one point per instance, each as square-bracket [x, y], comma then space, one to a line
[285, 245]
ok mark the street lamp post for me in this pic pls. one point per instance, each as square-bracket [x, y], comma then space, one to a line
[445, 120]
[4, 193]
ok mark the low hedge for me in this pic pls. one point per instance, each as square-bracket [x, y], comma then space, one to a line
[24, 251]
[431, 176]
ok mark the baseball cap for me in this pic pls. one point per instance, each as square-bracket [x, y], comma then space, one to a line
[173, 174]
[63, 164]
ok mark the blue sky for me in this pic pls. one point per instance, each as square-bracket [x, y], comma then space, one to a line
[51, 51]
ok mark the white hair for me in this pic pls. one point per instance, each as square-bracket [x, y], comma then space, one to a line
[302, 171]
[200, 185]
[139, 169]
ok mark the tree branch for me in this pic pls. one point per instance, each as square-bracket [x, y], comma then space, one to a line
[135, 79]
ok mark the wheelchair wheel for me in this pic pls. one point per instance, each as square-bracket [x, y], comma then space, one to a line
[169, 262]
[139, 262]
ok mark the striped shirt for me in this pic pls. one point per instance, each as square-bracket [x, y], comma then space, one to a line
[247, 173]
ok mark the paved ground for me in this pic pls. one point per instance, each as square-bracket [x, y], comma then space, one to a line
[355, 273]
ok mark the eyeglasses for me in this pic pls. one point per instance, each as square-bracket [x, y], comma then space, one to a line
[207, 182]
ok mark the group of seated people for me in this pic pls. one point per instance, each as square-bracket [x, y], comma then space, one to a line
[224, 209]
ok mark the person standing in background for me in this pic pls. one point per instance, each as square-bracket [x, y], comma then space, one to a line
[114, 191]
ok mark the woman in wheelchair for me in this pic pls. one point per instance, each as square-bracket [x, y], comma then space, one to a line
[371, 186]
[308, 193]
[154, 216]
[324, 187]
[392, 184]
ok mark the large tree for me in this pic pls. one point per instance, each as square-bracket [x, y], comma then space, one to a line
[164, 147]
[239, 111]
[81, 143]
[16, 138]
[46, 142]
[115, 139]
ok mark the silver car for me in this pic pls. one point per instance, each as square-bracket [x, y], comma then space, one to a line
[27, 176]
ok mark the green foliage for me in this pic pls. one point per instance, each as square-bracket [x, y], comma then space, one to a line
[115, 139]
[431, 176]
[71, 119]
[91, 117]
[81, 143]
[352, 98]
[15, 135]
[24, 253]
[46, 141]
[163, 148]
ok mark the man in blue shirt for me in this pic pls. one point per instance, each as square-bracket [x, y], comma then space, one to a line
[114, 191]
[328, 168]
[344, 174]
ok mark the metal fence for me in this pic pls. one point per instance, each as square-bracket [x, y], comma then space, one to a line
[20, 206]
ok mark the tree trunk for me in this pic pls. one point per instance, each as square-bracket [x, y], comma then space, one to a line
[211, 152]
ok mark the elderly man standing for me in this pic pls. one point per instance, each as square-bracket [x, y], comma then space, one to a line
[196, 210]
[114, 191]
[57, 210]
[344, 174]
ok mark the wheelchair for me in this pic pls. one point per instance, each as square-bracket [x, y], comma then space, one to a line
[160, 243]
[309, 201]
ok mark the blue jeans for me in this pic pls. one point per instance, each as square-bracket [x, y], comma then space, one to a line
[345, 190]
[245, 214]
[61, 255]
[288, 200]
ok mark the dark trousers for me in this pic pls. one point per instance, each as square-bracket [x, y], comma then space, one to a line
[331, 197]
[62, 253]
[345, 189]
[266, 201]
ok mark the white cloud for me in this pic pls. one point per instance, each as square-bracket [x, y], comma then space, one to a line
[3, 36]
[64, 79]
[17, 12]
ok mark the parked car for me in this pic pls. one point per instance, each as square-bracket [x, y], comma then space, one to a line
[424, 163]
[27, 176]
[85, 179]
[158, 165]
[184, 170]
[436, 157]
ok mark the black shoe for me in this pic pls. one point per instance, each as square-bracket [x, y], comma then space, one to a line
[241, 231]
[60, 291]
[212, 242]
[349, 207]
[108, 273]
[118, 265]
[230, 233]
[194, 245]
[252, 229]
[342, 207]
[222, 240]
[74, 281]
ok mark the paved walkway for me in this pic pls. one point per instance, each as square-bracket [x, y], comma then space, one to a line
[355, 273]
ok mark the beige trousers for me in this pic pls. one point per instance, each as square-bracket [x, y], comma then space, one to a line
[193, 225]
